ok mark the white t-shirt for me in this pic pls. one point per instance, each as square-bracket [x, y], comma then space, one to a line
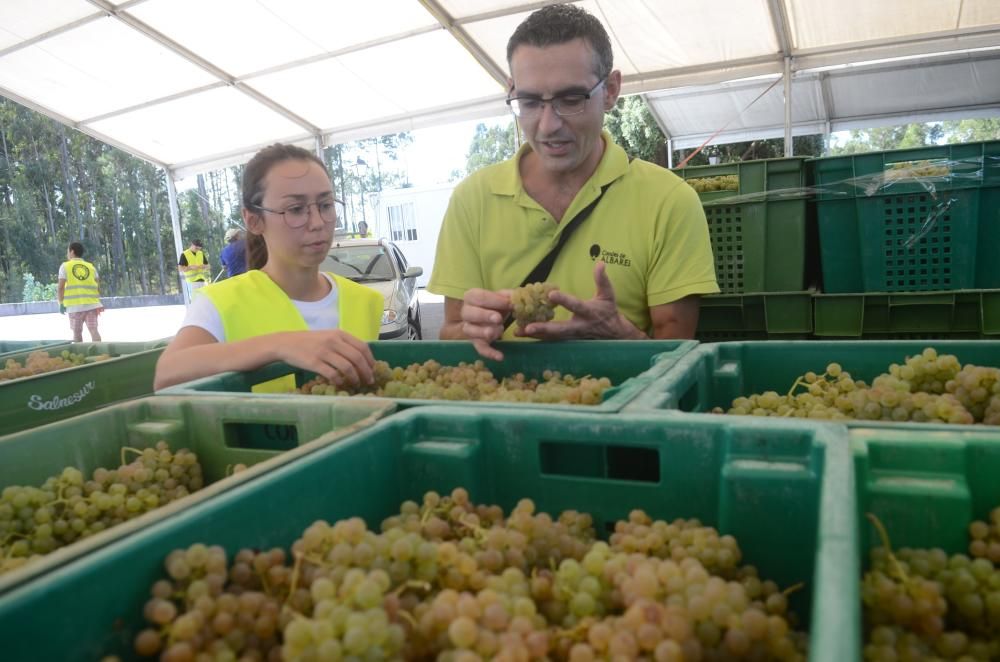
[319, 315]
[82, 308]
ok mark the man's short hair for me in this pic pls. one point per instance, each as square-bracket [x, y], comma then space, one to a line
[77, 248]
[559, 24]
[197, 242]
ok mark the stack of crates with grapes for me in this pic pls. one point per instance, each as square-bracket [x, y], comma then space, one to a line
[908, 243]
[758, 223]
[802, 490]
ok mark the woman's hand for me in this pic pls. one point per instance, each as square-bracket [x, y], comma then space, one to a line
[336, 355]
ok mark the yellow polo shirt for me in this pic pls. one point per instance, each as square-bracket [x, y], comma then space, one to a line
[649, 228]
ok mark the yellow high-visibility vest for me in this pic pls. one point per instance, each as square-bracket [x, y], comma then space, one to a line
[199, 270]
[251, 305]
[81, 283]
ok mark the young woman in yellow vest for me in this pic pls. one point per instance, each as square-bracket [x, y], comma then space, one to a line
[78, 294]
[283, 308]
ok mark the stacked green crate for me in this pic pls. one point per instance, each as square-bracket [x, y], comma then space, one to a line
[629, 366]
[221, 431]
[53, 396]
[936, 227]
[714, 375]
[923, 220]
[926, 488]
[758, 227]
[783, 488]
[955, 314]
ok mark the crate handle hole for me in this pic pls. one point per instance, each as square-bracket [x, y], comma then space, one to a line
[261, 436]
[610, 461]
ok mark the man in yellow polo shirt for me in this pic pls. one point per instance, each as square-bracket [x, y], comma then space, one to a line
[632, 269]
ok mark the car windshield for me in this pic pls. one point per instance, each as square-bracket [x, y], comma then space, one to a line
[360, 263]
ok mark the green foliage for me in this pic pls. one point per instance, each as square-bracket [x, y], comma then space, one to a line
[489, 145]
[58, 186]
[35, 291]
[359, 184]
[633, 127]
[975, 130]
[890, 137]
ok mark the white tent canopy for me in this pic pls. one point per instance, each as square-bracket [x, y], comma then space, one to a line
[196, 84]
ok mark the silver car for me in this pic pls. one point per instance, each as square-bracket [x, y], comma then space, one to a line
[379, 264]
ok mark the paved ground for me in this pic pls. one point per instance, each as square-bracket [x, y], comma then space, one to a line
[154, 322]
[432, 314]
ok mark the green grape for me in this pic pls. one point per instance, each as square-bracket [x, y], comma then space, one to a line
[432, 381]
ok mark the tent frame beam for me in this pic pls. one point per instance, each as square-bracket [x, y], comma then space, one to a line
[463, 38]
[146, 30]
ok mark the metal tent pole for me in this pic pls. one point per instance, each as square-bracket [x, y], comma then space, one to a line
[788, 106]
[175, 223]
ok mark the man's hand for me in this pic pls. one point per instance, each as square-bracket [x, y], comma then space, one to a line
[336, 355]
[597, 318]
[483, 314]
[62, 308]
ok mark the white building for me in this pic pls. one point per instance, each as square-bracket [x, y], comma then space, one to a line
[411, 217]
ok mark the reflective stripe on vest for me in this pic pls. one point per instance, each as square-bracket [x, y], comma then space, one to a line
[197, 260]
[81, 283]
[251, 305]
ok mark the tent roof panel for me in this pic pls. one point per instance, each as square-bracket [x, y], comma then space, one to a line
[135, 71]
[977, 13]
[897, 90]
[171, 131]
[21, 20]
[659, 36]
[916, 86]
[380, 82]
[816, 24]
[421, 72]
[97, 68]
[273, 33]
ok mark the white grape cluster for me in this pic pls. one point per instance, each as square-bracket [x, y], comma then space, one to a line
[720, 183]
[531, 303]
[922, 604]
[37, 520]
[39, 362]
[449, 580]
[469, 381]
[927, 387]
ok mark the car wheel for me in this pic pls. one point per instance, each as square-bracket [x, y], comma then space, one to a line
[413, 331]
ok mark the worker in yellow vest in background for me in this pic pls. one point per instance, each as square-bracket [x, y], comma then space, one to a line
[78, 293]
[193, 265]
[284, 308]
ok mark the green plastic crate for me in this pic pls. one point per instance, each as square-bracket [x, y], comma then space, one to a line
[972, 313]
[925, 487]
[714, 375]
[755, 316]
[867, 226]
[222, 431]
[783, 488]
[758, 232]
[629, 365]
[10, 347]
[53, 396]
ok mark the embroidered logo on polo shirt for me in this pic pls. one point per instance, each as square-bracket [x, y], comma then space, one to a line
[609, 257]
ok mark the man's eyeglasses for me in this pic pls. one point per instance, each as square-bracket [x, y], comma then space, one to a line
[297, 215]
[564, 105]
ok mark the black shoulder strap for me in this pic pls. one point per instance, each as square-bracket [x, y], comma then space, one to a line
[542, 269]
